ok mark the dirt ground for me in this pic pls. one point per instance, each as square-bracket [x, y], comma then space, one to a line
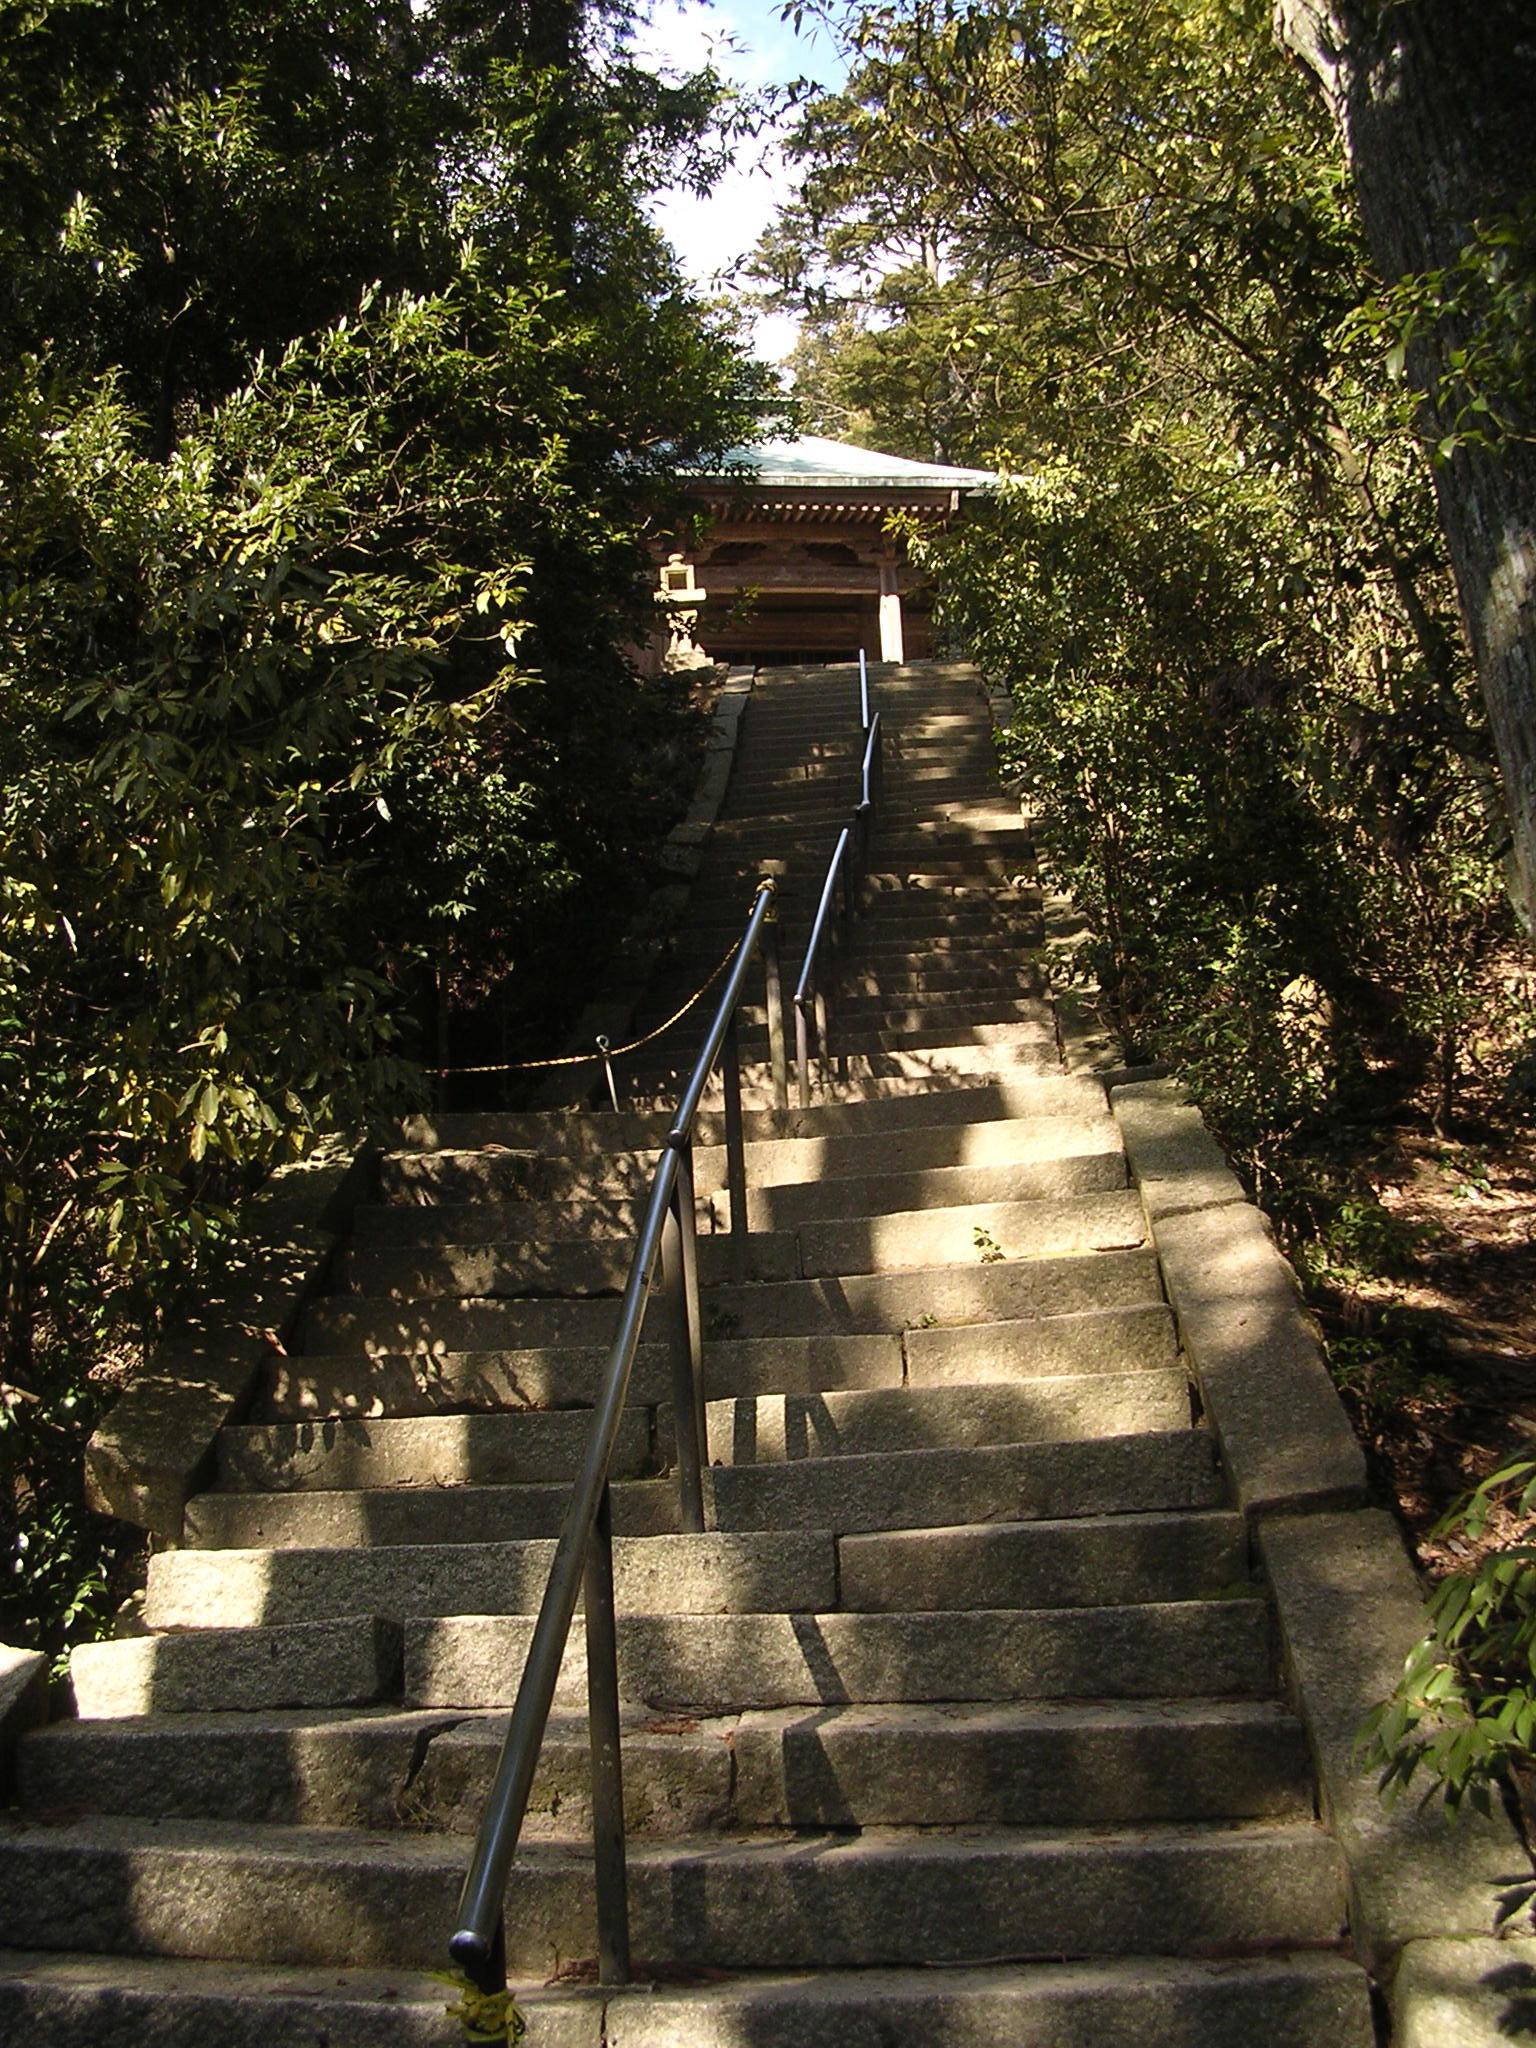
[1440, 1360]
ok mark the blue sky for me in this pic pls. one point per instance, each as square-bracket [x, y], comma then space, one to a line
[749, 42]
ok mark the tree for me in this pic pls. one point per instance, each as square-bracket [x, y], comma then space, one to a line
[1110, 247]
[1432, 100]
[343, 373]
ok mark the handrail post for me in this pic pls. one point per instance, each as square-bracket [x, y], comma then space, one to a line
[735, 1152]
[607, 1768]
[863, 692]
[683, 1340]
[773, 993]
[802, 1053]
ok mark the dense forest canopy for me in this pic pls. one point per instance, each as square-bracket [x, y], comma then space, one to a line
[1110, 247]
[340, 374]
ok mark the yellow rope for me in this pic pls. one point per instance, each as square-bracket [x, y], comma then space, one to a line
[605, 1052]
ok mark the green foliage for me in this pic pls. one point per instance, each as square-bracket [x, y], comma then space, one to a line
[1484, 308]
[1111, 252]
[343, 374]
[1464, 1710]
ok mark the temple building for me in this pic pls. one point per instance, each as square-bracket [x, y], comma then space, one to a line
[790, 560]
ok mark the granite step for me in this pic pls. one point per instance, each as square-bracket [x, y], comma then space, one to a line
[712, 1665]
[242, 1892]
[935, 1486]
[903, 1765]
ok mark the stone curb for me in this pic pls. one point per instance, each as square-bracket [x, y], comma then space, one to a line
[155, 1447]
[1350, 1611]
[23, 1705]
[1286, 1441]
[1426, 1895]
[612, 1015]
[1473, 1993]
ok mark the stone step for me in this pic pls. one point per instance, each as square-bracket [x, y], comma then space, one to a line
[1007, 1290]
[791, 1204]
[385, 1769]
[861, 1304]
[773, 1427]
[726, 1664]
[608, 1191]
[844, 1242]
[933, 1486]
[1087, 1561]
[237, 1891]
[882, 1018]
[1115, 1340]
[452, 1382]
[466, 1381]
[1041, 1765]
[991, 1232]
[347, 1660]
[536, 1447]
[899, 1765]
[539, 1446]
[904, 1066]
[721, 1572]
[1303, 2000]
[585, 1135]
[904, 981]
[540, 1268]
[1306, 2000]
[842, 1151]
[124, 2001]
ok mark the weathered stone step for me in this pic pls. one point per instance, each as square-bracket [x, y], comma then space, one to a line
[846, 1243]
[885, 1018]
[860, 1304]
[1086, 1561]
[450, 1382]
[780, 1426]
[123, 2001]
[534, 1447]
[323, 1896]
[598, 1134]
[785, 1570]
[1303, 2000]
[903, 980]
[905, 1066]
[900, 1765]
[791, 1204]
[991, 1232]
[466, 1381]
[346, 1660]
[1042, 1765]
[384, 1769]
[1306, 2000]
[1134, 1339]
[934, 1486]
[541, 1268]
[726, 1664]
[1007, 1290]
[598, 1185]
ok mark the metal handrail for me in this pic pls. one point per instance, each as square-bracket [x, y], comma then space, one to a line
[583, 1560]
[815, 992]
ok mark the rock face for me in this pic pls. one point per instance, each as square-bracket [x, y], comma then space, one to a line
[971, 1667]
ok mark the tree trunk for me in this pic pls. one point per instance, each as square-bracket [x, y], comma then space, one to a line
[1433, 100]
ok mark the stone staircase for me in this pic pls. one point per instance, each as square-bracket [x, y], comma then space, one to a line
[962, 1724]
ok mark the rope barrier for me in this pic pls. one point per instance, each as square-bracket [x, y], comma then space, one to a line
[605, 1052]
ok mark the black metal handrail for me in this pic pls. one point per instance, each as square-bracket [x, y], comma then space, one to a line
[583, 1560]
[816, 990]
